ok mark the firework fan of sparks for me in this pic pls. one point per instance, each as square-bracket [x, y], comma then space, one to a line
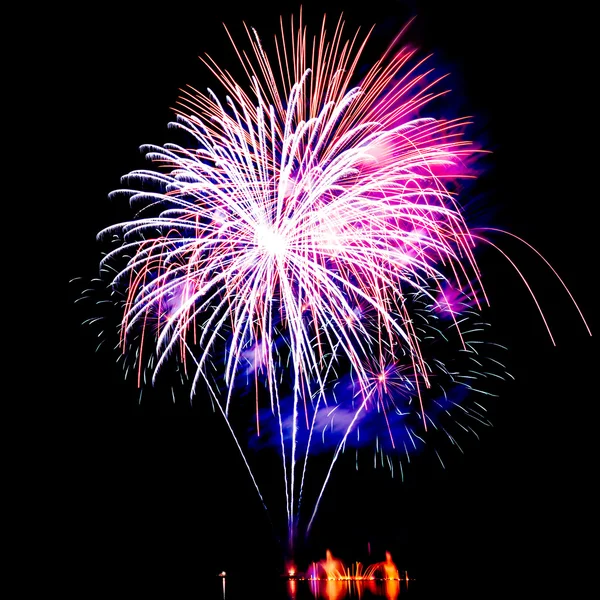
[289, 239]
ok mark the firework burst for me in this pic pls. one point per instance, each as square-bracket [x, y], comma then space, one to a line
[308, 233]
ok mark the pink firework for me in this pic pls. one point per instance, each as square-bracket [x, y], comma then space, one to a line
[288, 236]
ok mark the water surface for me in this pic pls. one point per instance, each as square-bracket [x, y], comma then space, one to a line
[228, 588]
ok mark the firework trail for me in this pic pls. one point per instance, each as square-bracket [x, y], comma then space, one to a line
[308, 240]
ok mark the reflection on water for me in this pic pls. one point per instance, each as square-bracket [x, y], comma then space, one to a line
[317, 589]
[331, 579]
[336, 589]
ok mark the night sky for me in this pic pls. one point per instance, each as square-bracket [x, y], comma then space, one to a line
[161, 492]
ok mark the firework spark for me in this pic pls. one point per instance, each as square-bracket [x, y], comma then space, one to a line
[308, 237]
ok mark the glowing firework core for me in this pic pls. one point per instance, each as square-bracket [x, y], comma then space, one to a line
[270, 241]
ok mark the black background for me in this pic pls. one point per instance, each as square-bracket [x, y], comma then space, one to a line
[157, 491]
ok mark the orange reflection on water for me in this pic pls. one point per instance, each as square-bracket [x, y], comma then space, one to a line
[392, 588]
[292, 588]
[330, 579]
[330, 589]
[337, 589]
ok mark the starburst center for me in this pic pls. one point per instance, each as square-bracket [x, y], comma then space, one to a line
[270, 241]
